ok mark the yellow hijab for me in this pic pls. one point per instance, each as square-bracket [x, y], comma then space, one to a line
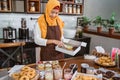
[51, 22]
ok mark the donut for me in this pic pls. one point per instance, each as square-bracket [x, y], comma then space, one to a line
[15, 76]
[32, 70]
[31, 75]
[69, 47]
[24, 78]
[21, 73]
[25, 68]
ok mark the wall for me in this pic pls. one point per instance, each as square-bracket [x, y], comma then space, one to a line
[14, 20]
[102, 8]
[105, 42]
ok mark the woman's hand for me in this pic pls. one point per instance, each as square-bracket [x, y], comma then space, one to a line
[59, 43]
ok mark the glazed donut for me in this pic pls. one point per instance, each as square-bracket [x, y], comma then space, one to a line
[25, 68]
[24, 78]
[22, 73]
[15, 76]
[32, 70]
[31, 75]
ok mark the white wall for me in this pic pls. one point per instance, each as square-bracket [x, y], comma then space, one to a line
[102, 8]
[105, 42]
[15, 20]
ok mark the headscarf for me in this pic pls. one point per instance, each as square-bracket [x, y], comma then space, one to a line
[51, 22]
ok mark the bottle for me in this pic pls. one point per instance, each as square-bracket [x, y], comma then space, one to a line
[78, 9]
[0, 6]
[70, 8]
[32, 7]
[74, 9]
[119, 61]
[23, 22]
[116, 59]
[66, 8]
[79, 32]
[5, 8]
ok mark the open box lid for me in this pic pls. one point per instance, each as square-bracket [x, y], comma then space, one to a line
[73, 52]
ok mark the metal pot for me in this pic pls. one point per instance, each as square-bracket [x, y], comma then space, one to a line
[9, 33]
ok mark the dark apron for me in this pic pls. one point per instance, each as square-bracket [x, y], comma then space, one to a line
[48, 52]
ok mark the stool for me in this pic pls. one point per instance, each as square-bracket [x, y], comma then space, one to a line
[17, 45]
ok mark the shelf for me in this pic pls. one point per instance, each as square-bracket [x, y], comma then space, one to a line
[68, 7]
[33, 6]
[5, 6]
[105, 34]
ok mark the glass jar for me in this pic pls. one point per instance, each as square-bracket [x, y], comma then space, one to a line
[58, 73]
[5, 6]
[66, 8]
[49, 75]
[0, 6]
[32, 7]
[67, 74]
[90, 70]
[79, 32]
[74, 9]
[78, 9]
[70, 8]
[48, 66]
[84, 67]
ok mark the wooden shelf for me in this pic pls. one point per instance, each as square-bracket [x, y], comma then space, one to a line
[105, 34]
[68, 7]
[6, 4]
[33, 6]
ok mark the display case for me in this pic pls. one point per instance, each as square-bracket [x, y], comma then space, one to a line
[5, 5]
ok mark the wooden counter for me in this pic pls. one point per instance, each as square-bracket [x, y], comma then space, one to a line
[78, 61]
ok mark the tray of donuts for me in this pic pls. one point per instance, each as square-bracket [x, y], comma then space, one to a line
[105, 61]
[25, 73]
[48, 65]
[107, 74]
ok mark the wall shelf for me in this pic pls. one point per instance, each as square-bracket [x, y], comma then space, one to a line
[105, 34]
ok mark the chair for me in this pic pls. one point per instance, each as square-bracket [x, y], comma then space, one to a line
[17, 45]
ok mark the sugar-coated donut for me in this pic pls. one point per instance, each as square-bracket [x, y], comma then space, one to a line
[24, 78]
[31, 75]
[15, 76]
[32, 70]
[25, 68]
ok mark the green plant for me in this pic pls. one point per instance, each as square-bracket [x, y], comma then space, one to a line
[85, 21]
[117, 27]
[98, 21]
[111, 21]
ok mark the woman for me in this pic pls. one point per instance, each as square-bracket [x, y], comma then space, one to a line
[48, 32]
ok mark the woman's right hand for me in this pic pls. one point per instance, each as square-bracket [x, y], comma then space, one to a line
[59, 43]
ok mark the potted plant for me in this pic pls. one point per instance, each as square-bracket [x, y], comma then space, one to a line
[85, 23]
[99, 23]
[117, 27]
[111, 24]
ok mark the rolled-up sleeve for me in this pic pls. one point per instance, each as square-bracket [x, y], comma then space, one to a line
[37, 36]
